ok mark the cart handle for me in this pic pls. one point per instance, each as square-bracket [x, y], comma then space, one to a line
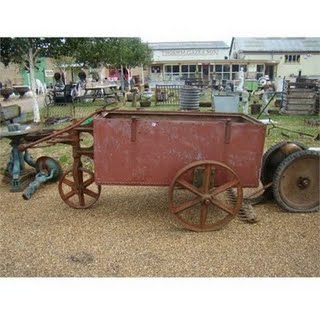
[23, 147]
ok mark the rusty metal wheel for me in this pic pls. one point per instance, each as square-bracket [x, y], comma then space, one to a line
[78, 189]
[271, 160]
[296, 182]
[205, 195]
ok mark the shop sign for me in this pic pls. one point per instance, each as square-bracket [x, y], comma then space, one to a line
[190, 52]
[48, 73]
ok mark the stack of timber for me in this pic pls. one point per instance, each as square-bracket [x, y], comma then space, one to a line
[302, 96]
[284, 95]
[317, 106]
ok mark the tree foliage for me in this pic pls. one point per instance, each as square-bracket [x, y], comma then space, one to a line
[94, 52]
[16, 50]
[25, 52]
[115, 51]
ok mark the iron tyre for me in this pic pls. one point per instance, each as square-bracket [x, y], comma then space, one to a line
[296, 182]
[269, 167]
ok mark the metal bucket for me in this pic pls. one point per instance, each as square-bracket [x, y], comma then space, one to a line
[189, 98]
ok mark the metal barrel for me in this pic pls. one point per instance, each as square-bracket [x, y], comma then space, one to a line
[189, 98]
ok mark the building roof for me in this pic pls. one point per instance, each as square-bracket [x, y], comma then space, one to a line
[189, 45]
[279, 44]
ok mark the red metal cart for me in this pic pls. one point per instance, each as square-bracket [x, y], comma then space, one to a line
[205, 159]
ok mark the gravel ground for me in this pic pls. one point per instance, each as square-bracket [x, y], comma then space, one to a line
[130, 233]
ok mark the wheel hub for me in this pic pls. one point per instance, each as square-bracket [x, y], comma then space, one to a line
[206, 199]
[303, 182]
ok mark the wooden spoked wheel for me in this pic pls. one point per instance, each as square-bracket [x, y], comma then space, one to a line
[205, 195]
[78, 189]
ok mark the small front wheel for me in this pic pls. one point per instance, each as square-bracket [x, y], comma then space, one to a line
[78, 189]
[205, 195]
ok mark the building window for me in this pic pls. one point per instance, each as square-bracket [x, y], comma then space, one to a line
[236, 68]
[260, 71]
[188, 70]
[260, 68]
[172, 71]
[155, 69]
[292, 59]
[222, 72]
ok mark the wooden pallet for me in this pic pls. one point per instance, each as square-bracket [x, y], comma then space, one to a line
[301, 98]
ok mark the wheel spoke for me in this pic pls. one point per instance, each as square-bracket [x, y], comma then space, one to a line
[203, 215]
[90, 193]
[222, 206]
[189, 187]
[186, 205]
[81, 198]
[69, 194]
[224, 187]
[68, 182]
[88, 182]
[206, 179]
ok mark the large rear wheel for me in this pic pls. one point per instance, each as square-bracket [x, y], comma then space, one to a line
[205, 195]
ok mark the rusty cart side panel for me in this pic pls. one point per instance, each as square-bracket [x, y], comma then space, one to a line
[148, 149]
[244, 152]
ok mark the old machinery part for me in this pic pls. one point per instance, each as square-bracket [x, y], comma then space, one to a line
[34, 136]
[296, 182]
[189, 98]
[40, 178]
[78, 189]
[47, 164]
[204, 204]
[246, 212]
[16, 172]
[48, 169]
[258, 196]
[272, 158]
[49, 99]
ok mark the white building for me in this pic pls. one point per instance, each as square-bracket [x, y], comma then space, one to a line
[181, 60]
[284, 57]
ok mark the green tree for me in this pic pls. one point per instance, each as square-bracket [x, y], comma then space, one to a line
[25, 52]
[111, 51]
[114, 51]
[94, 52]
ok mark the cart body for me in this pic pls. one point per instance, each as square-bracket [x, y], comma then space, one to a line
[148, 148]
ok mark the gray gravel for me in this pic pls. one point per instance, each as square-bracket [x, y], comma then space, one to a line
[130, 233]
